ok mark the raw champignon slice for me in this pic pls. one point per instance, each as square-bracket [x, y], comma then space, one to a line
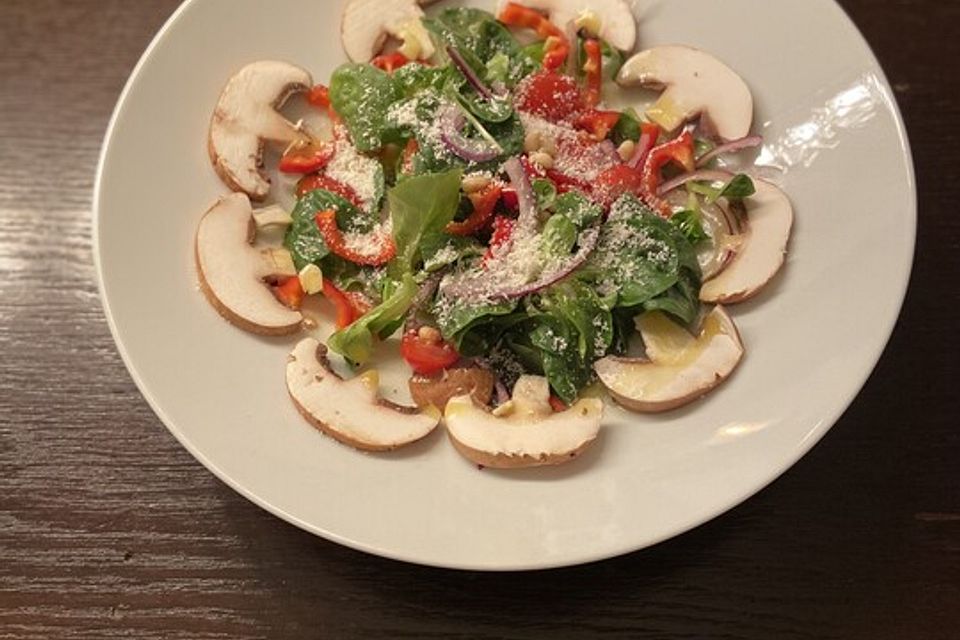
[366, 25]
[351, 411]
[695, 84]
[761, 252]
[526, 432]
[679, 367]
[246, 117]
[233, 273]
[618, 26]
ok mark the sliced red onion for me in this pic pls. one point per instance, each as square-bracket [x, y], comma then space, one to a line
[610, 149]
[469, 285]
[503, 394]
[723, 228]
[473, 150]
[642, 150]
[588, 242]
[469, 73]
[729, 147]
[710, 175]
[525, 196]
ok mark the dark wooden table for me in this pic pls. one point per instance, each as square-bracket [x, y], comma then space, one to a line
[109, 529]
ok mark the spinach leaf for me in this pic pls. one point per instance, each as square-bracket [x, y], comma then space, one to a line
[562, 365]
[579, 305]
[627, 127]
[356, 342]
[546, 193]
[415, 78]
[577, 208]
[558, 235]
[439, 249]
[640, 256]
[361, 95]
[681, 300]
[458, 318]
[739, 187]
[611, 60]
[689, 224]
[480, 38]
[420, 205]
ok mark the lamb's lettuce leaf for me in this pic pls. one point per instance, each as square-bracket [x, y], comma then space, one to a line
[356, 342]
[420, 205]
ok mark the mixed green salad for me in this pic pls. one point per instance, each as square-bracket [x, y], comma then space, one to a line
[486, 205]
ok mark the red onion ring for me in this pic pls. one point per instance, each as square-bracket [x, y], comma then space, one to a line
[644, 144]
[472, 150]
[700, 174]
[525, 196]
[469, 73]
[729, 147]
[468, 286]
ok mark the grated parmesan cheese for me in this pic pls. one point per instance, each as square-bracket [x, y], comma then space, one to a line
[352, 168]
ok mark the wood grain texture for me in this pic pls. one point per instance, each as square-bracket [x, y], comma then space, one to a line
[108, 529]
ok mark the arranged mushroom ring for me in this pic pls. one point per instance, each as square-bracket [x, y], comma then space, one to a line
[462, 184]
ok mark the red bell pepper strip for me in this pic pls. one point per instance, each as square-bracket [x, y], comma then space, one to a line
[321, 181]
[319, 96]
[406, 160]
[565, 183]
[616, 181]
[327, 223]
[483, 203]
[510, 199]
[290, 292]
[390, 62]
[425, 353]
[557, 404]
[678, 151]
[592, 70]
[346, 312]
[597, 123]
[306, 159]
[502, 230]
[557, 46]
[555, 52]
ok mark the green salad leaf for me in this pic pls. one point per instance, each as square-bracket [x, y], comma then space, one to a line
[361, 94]
[481, 39]
[303, 238]
[689, 223]
[645, 260]
[418, 206]
[356, 342]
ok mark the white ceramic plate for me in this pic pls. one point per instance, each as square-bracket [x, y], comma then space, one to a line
[812, 339]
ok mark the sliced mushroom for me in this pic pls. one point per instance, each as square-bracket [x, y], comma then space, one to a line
[679, 367]
[526, 432]
[233, 274]
[366, 25]
[246, 116]
[762, 248]
[695, 84]
[437, 390]
[618, 26]
[351, 411]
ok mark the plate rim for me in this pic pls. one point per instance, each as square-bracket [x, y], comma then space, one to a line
[788, 462]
